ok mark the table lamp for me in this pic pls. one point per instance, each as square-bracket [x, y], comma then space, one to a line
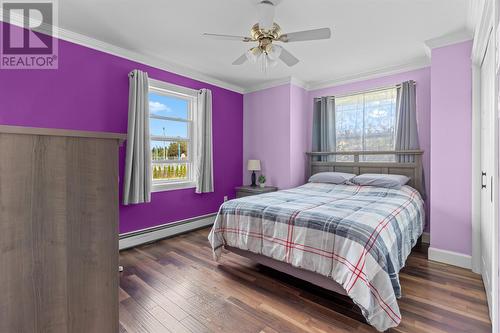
[253, 165]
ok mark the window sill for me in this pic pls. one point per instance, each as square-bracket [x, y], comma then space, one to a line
[172, 186]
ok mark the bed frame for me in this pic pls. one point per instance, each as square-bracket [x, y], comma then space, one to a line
[411, 169]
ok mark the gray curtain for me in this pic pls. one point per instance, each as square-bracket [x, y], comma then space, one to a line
[137, 179]
[203, 133]
[406, 127]
[323, 132]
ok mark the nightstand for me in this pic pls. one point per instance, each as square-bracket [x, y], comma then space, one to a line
[245, 191]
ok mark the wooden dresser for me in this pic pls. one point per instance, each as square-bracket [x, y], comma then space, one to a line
[58, 230]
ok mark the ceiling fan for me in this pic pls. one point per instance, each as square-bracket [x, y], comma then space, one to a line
[265, 32]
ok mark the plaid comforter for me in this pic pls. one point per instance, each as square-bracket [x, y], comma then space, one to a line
[360, 236]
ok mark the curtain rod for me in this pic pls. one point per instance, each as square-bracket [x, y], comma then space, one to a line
[366, 91]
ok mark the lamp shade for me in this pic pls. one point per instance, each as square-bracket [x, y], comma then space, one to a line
[253, 165]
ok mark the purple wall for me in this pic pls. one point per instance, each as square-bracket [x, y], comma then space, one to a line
[89, 92]
[451, 141]
[423, 78]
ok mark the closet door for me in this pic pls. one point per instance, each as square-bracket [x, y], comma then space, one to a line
[488, 179]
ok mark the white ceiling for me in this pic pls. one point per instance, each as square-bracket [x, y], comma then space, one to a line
[368, 35]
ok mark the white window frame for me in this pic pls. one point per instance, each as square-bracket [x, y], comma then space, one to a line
[172, 90]
[364, 93]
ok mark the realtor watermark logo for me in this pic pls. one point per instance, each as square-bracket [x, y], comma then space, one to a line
[28, 36]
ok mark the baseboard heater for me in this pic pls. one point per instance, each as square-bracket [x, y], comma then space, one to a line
[148, 235]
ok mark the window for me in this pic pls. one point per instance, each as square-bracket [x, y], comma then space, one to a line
[367, 122]
[172, 110]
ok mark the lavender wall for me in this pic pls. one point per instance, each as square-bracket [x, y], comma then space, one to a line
[278, 124]
[89, 91]
[266, 133]
[274, 132]
[299, 144]
[451, 140]
[282, 116]
[423, 78]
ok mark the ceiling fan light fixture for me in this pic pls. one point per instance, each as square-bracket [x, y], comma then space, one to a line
[274, 52]
[253, 54]
[263, 58]
[265, 62]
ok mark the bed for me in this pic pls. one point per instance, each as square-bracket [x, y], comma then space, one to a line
[347, 238]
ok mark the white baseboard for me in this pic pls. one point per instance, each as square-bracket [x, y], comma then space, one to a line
[426, 238]
[451, 258]
[148, 235]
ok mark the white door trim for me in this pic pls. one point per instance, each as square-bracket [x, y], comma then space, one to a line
[481, 35]
[486, 24]
[476, 261]
[482, 29]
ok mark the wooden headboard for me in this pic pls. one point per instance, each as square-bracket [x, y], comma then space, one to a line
[326, 161]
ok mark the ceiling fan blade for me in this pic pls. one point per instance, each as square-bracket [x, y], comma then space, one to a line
[228, 37]
[241, 60]
[299, 36]
[288, 58]
[266, 11]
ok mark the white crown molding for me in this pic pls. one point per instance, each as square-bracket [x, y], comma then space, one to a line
[98, 45]
[454, 37]
[268, 85]
[147, 60]
[276, 83]
[315, 85]
[166, 65]
[155, 62]
[385, 71]
[299, 83]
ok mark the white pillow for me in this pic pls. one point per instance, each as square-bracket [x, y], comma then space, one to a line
[381, 180]
[331, 177]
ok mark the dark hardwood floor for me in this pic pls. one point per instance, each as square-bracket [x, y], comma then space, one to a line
[175, 286]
